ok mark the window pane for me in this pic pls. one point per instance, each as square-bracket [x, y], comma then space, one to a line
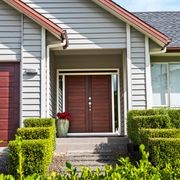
[174, 78]
[159, 84]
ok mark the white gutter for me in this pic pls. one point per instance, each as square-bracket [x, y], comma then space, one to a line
[159, 52]
[59, 45]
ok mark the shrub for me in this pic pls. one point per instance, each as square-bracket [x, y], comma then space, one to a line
[42, 122]
[38, 133]
[158, 133]
[164, 151]
[36, 156]
[126, 171]
[147, 112]
[35, 133]
[136, 122]
[174, 115]
[39, 122]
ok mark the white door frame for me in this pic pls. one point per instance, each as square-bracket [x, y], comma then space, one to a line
[74, 72]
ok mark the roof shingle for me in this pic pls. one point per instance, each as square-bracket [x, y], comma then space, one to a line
[168, 22]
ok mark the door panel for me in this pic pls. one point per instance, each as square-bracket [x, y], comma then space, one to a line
[88, 100]
[101, 104]
[76, 102]
[9, 101]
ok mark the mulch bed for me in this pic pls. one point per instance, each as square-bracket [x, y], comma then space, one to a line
[3, 164]
[57, 164]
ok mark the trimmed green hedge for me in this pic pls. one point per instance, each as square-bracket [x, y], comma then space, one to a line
[126, 170]
[164, 151]
[37, 133]
[136, 122]
[152, 128]
[39, 122]
[158, 133]
[42, 122]
[163, 145]
[36, 154]
[147, 112]
[174, 115]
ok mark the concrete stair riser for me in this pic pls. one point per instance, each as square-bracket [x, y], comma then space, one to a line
[108, 144]
[94, 140]
[90, 148]
[91, 158]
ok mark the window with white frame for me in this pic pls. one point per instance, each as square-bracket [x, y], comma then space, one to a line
[165, 84]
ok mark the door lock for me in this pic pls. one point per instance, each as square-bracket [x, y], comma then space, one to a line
[90, 105]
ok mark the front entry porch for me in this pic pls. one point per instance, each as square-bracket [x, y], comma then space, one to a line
[90, 88]
[92, 98]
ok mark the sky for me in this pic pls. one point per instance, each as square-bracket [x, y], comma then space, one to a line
[149, 5]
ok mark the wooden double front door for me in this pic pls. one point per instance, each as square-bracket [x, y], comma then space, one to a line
[89, 101]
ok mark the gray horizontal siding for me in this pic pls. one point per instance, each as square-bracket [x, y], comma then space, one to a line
[31, 96]
[138, 74]
[88, 25]
[10, 33]
[11, 43]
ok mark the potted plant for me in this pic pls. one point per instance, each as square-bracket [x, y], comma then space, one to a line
[62, 123]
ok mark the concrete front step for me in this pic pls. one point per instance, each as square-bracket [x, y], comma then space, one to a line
[95, 140]
[92, 152]
[92, 168]
[91, 160]
[92, 157]
[92, 163]
[92, 144]
[91, 148]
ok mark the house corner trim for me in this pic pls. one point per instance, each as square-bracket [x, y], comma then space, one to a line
[21, 73]
[129, 82]
[148, 75]
[43, 72]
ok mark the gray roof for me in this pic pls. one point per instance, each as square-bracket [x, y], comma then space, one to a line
[166, 22]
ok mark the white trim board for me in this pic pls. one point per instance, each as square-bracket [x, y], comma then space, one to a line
[148, 75]
[125, 92]
[129, 83]
[21, 72]
[43, 73]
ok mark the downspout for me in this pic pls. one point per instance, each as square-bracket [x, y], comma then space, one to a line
[62, 45]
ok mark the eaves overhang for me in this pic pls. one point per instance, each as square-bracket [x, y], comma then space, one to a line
[134, 21]
[37, 17]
